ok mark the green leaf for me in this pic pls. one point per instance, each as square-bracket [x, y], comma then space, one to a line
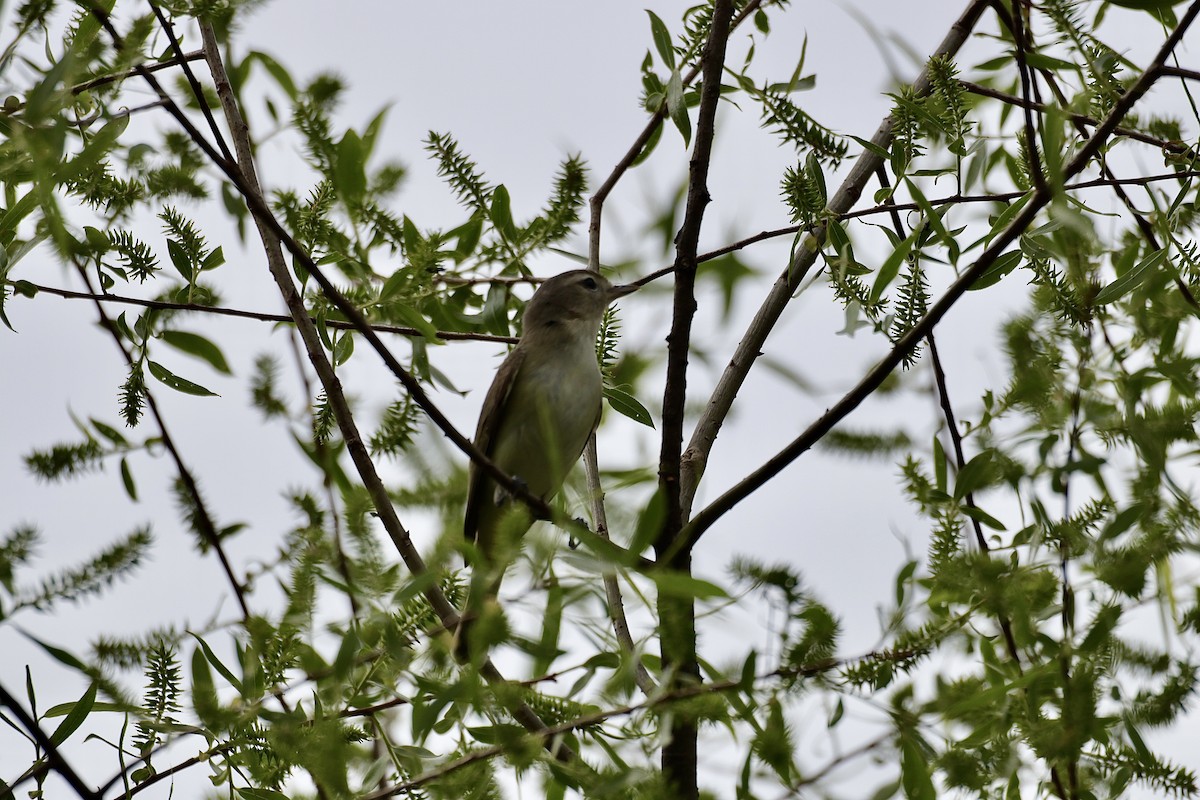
[180, 260]
[204, 691]
[548, 649]
[931, 217]
[648, 147]
[975, 474]
[211, 657]
[1004, 264]
[349, 174]
[873, 148]
[252, 793]
[127, 480]
[662, 40]
[1132, 279]
[677, 108]
[196, 345]
[57, 653]
[108, 432]
[276, 71]
[62, 709]
[1043, 61]
[15, 213]
[1006, 216]
[749, 672]
[678, 584]
[468, 235]
[939, 464]
[213, 260]
[891, 267]
[501, 214]
[76, 716]
[177, 383]
[649, 523]
[914, 771]
[627, 404]
[343, 349]
[982, 517]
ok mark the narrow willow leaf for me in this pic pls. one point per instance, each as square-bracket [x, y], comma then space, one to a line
[677, 107]
[76, 716]
[678, 584]
[627, 404]
[196, 345]
[350, 175]
[1132, 279]
[662, 40]
[1004, 264]
[891, 267]
[177, 383]
[501, 214]
[127, 480]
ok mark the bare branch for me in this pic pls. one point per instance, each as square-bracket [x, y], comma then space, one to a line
[695, 457]
[874, 377]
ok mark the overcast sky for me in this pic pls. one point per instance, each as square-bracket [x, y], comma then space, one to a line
[521, 85]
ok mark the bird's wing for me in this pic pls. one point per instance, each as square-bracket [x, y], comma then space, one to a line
[490, 419]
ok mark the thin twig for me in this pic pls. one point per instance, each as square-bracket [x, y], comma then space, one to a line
[197, 91]
[104, 80]
[596, 204]
[201, 517]
[612, 588]
[261, 316]
[1173, 146]
[1021, 46]
[936, 202]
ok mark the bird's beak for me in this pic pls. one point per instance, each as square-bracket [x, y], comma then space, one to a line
[620, 291]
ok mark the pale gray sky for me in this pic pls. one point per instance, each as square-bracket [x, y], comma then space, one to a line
[521, 85]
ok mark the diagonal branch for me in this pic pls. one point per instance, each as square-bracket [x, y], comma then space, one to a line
[871, 381]
[695, 457]
[55, 757]
[308, 333]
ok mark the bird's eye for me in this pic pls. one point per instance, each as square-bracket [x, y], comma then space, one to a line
[589, 283]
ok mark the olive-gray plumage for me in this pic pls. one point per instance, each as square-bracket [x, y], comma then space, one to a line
[543, 403]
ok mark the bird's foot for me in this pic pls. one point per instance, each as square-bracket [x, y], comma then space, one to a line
[572, 542]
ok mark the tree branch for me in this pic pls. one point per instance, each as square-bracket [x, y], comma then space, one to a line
[596, 204]
[55, 757]
[695, 457]
[260, 316]
[271, 239]
[677, 615]
[612, 588]
[203, 521]
[872, 380]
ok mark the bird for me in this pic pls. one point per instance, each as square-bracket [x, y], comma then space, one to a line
[542, 406]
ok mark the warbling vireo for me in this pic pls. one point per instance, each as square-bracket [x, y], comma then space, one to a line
[543, 404]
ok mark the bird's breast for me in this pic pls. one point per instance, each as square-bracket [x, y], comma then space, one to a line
[562, 389]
